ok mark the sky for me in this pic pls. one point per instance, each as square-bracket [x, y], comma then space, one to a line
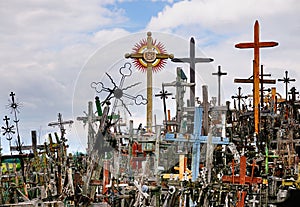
[51, 51]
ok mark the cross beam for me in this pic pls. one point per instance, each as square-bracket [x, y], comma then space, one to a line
[256, 45]
[192, 60]
[219, 74]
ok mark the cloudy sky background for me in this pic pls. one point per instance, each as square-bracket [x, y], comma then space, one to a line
[47, 48]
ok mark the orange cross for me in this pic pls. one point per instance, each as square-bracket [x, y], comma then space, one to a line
[256, 45]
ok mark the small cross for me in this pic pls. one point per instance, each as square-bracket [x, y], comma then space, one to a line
[239, 96]
[164, 95]
[286, 80]
[61, 124]
[293, 92]
[219, 74]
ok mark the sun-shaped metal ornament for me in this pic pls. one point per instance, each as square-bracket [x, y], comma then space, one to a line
[149, 55]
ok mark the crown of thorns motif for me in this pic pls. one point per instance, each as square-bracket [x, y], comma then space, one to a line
[118, 92]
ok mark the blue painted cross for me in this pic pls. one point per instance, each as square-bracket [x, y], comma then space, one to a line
[196, 138]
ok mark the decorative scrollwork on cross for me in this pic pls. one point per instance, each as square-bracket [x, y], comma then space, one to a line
[118, 91]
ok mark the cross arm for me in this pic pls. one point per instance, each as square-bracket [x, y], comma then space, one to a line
[238, 80]
[136, 55]
[164, 56]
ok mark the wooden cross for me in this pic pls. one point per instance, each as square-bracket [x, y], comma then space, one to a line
[150, 56]
[192, 60]
[286, 80]
[256, 45]
[219, 74]
[239, 97]
[60, 123]
[242, 179]
[90, 118]
[197, 139]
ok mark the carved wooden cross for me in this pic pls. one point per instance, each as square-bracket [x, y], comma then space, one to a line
[219, 74]
[192, 60]
[286, 80]
[256, 45]
[149, 56]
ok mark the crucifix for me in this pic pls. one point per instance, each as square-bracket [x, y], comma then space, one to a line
[219, 74]
[89, 119]
[256, 45]
[148, 57]
[286, 80]
[192, 60]
[239, 97]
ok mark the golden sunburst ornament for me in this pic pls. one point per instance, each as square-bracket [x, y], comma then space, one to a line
[149, 55]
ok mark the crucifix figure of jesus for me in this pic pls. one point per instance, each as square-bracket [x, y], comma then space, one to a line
[150, 55]
[256, 45]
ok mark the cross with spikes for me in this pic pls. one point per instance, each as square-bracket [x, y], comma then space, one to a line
[286, 80]
[164, 95]
[219, 74]
[8, 130]
[239, 96]
[60, 123]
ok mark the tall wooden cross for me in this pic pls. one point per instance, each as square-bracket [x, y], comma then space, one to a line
[149, 56]
[286, 80]
[219, 74]
[256, 45]
[192, 60]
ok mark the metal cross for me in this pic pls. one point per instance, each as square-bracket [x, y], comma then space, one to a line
[256, 45]
[286, 80]
[8, 130]
[239, 96]
[219, 74]
[150, 56]
[164, 95]
[192, 60]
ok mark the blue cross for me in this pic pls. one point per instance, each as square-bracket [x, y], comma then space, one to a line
[196, 138]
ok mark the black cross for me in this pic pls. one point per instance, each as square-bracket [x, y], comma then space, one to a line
[164, 95]
[192, 60]
[219, 74]
[286, 80]
[239, 96]
[293, 92]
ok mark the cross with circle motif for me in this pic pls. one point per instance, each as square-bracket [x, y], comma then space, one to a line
[149, 56]
[256, 45]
